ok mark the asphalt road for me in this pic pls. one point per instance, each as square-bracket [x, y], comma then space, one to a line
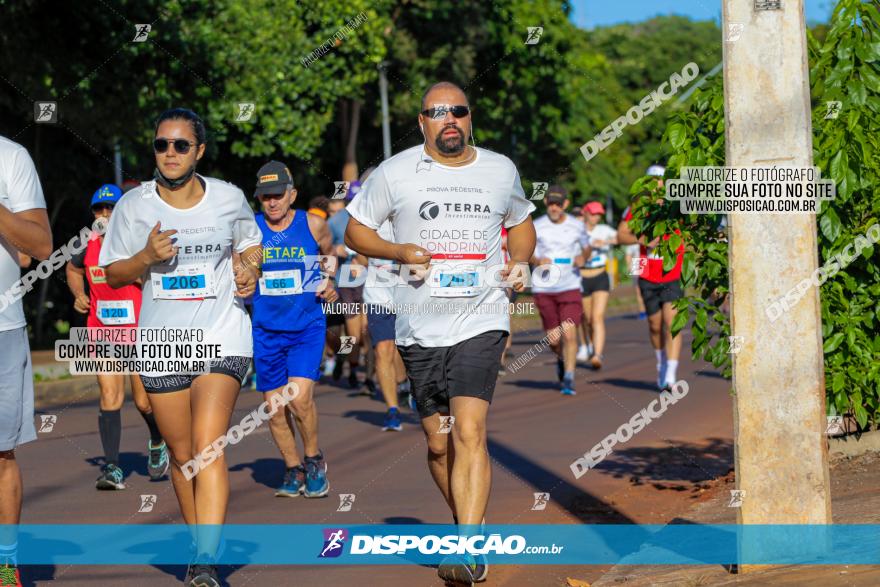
[534, 435]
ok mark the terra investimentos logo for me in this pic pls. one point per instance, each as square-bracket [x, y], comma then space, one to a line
[429, 210]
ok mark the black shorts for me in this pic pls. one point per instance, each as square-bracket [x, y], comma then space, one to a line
[596, 283]
[234, 366]
[657, 294]
[469, 368]
[335, 318]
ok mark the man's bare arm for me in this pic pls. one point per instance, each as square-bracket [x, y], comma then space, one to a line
[521, 240]
[28, 231]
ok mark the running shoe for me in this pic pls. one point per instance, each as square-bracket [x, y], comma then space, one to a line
[10, 576]
[560, 369]
[596, 362]
[583, 354]
[481, 571]
[643, 316]
[567, 387]
[392, 421]
[294, 482]
[111, 478]
[316, 477]
[502, 371]
[157, 463]
[204, 576]
[458, 570]
[329, 366]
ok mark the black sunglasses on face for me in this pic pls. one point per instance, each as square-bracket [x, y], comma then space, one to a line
[102, 207]
[181, 146]
[457, 111]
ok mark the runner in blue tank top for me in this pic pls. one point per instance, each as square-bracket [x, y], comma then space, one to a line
[289, 324]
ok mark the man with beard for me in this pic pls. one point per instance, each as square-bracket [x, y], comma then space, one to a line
[446, 202]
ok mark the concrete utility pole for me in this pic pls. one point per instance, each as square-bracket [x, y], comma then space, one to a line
[778, 375]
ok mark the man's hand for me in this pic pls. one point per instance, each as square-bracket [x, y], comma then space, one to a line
[81, 304]
[516, 274]
[245, 280]
[328, 293]
[160, 246]
[544, 261]
[410, 254]
[414, 258]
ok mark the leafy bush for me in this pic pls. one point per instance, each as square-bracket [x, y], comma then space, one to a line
[845, 67]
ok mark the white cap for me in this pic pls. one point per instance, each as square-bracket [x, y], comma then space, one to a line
[656, 171]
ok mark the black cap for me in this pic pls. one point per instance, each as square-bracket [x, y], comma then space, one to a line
[273, 178]
[556, 194]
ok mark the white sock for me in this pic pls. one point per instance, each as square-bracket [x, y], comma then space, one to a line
[9, 554]
[661, 357]
[671, 366]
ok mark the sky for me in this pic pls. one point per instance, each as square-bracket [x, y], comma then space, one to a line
[591, 13]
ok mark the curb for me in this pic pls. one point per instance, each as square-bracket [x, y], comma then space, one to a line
[853, 445]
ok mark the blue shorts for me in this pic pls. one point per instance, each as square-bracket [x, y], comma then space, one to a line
[380, 323]
[279, 355]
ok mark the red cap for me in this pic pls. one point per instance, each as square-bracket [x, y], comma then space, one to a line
[595, 208]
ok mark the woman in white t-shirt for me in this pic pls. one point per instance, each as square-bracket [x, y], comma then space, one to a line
[180, 233]
[595, 283]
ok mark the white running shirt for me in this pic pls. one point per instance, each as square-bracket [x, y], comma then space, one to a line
[560, 243]
[599, 255]
[20, 190]
[456, 213]
[207, 234]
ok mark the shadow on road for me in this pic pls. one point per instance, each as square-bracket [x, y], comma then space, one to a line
[681, 466]
[628, 384]
[529, 384]
[32, 573]
[268, 472]
[129, 462]
[581, 504]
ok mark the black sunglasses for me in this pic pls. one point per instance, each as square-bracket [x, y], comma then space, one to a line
[457, 111]
[181, 146]
[99, 207]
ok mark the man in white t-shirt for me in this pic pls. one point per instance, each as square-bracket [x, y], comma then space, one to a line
[24, 228]
[563, 246]
[447, 202]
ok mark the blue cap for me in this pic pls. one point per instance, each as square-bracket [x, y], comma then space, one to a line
[106, 194]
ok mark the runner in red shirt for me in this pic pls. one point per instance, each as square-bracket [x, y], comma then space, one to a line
[659, 290]
[112, 308]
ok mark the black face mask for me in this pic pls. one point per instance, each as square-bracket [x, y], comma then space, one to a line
[173, 183]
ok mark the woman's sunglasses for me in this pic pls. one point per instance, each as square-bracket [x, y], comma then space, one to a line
[181, 146]
[440, 111]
